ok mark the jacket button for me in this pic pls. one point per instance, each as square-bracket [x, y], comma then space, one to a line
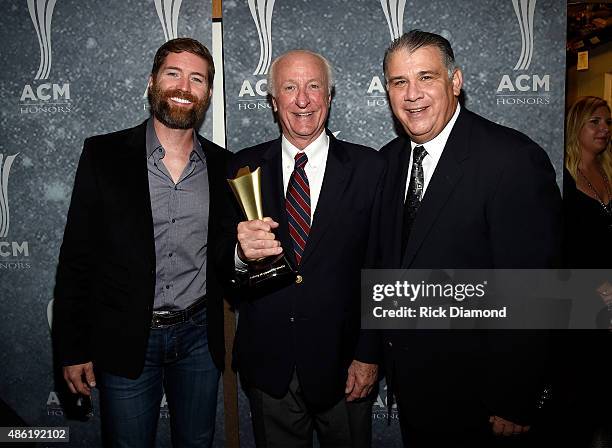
[299, 279]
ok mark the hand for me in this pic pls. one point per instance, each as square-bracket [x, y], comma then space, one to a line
[361, 379]
[503, 427]
[256, 240]
[74, 376]
[605, 292]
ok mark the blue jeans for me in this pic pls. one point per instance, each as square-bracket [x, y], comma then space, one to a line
[177, 361]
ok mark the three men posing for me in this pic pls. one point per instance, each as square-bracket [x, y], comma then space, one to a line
[478, 195]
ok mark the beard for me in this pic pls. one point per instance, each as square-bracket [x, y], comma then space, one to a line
[176, 117]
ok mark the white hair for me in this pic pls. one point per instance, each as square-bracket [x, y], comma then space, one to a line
[328, 69]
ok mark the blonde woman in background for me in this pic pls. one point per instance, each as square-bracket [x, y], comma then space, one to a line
[585, 356]
[586, 188]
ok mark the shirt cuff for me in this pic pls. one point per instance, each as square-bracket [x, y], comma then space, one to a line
[240, 265]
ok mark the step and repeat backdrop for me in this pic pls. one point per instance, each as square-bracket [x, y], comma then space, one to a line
[512, 53]
[75, 68]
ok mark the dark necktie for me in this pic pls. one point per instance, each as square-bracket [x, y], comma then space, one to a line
[297, 203]
[414, 194]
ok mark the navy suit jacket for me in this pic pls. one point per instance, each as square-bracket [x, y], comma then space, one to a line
[492, 202]
[313, 326]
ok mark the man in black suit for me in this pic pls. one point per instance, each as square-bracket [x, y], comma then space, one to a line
[461, 192]
[299, 350]
[138, 307]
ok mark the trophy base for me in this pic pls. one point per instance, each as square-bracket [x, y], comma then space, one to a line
[271, 271]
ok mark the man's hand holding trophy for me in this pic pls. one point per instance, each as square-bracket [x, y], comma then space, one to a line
[258, 248]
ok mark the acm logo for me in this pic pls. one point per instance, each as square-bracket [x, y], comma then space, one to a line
[524, 88]
[168, 12]
[253, 92]
[14, 255]
[393, 10]
[43, 96]
[377, 95]
[380, 409]
[55, 406]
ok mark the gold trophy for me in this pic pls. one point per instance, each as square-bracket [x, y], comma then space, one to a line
[265, 271]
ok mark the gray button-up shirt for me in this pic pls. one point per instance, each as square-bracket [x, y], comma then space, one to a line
[180, 225]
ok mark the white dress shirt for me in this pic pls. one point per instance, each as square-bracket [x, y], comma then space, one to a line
[434, 149]
[315, 170]
[315, 167]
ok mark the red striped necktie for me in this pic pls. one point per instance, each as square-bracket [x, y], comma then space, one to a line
[297, 203]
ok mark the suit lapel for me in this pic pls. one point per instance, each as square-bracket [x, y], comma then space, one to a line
[133, 160]
[446, 175]
[334, 182]
[273, 196]
[215, 171]
[399, 157]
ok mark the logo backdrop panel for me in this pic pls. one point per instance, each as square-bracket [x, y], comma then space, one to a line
[72, 68]
[512, 53]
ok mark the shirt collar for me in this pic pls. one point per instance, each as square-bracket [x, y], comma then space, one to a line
[435, 146]
[197, 147]
[316, 151]
[153, 143]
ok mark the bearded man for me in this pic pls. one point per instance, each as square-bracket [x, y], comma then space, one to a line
[138, 308]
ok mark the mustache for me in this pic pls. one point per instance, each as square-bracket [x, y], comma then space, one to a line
[177, 93]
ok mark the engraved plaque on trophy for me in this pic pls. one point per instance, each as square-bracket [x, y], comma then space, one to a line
[263, 272]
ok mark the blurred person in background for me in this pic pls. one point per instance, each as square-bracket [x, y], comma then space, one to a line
[580, 391]
[586, 184]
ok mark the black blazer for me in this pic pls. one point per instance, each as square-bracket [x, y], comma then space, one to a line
[313, 326]
[492, 203]
[106, 274]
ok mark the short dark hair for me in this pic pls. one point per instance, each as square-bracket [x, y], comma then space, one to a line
[178, 46]
[415, 39]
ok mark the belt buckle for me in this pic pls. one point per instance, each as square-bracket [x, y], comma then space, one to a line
[156, 320]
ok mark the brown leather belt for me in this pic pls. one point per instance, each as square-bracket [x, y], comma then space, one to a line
[167, 318]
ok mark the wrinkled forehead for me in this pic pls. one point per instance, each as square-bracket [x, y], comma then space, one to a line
[300, 62]
[429, 54]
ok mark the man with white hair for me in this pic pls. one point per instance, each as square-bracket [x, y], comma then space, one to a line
[302, 357]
